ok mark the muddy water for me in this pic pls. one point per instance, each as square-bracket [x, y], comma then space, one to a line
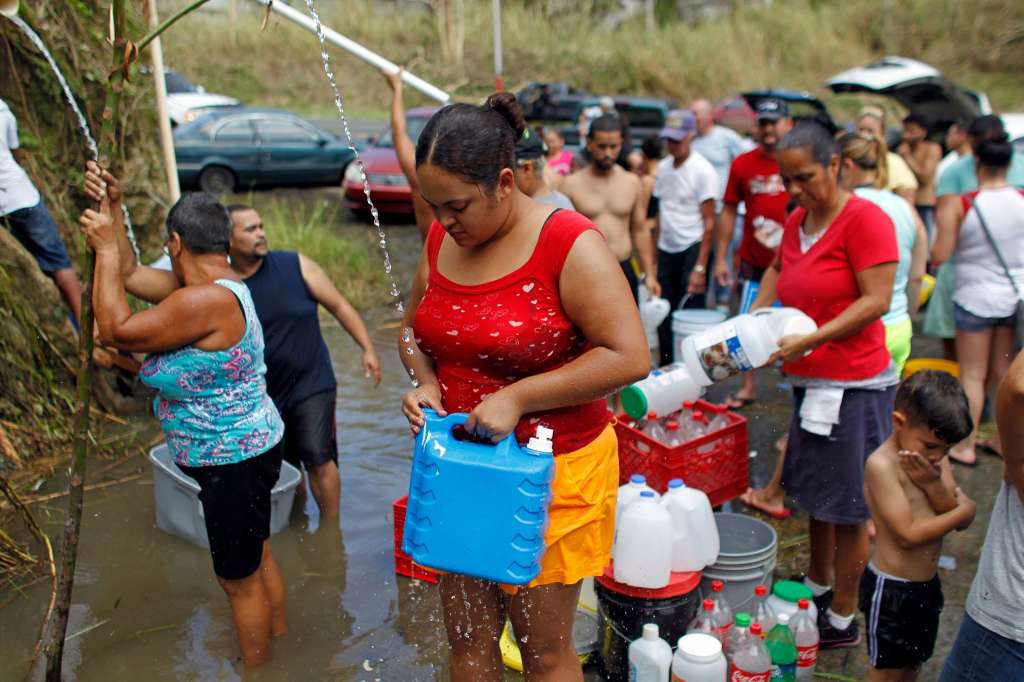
[146, 606]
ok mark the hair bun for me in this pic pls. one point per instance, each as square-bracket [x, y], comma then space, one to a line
[507, 106]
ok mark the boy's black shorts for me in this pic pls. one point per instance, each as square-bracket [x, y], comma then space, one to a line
[902, 619]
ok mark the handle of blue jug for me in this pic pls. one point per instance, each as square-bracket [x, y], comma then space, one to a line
[436, 424]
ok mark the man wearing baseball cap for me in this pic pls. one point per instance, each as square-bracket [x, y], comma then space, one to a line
[686, 187]
[755, 182]
[530, 152]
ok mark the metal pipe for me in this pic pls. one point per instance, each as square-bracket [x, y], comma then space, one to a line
[356, 49]
[499, 83]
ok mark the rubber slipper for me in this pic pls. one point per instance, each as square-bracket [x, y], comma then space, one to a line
[969, 465]
[784, 513]
[734, 403]
[989, 449]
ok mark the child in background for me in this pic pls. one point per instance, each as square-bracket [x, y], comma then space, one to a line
[914, 503]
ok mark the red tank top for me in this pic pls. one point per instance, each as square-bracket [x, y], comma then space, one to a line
[486, 336]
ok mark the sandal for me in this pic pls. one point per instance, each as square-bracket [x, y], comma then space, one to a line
[988, 448]
[735, 403]
[747, 498]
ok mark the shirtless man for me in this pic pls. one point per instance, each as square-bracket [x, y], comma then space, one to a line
[613, 199]
[923, 156]
[914, 503]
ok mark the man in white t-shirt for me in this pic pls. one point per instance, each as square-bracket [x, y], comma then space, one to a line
[23, 212]
[686, 188]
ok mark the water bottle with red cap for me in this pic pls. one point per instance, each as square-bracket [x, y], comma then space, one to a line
[704, 622]
[762, 613]
[722, 612]
[805, 631]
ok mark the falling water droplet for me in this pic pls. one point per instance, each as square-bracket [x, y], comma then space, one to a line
[409, 351]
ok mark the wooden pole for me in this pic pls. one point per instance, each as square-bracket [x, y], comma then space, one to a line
[163, 119]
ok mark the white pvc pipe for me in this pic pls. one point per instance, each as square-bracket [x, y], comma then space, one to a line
[356, 49]
[156, 54]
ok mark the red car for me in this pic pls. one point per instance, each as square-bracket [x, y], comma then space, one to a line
[388, 186]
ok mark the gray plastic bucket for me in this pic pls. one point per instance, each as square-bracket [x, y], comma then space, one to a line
[746, 558]
[690, 321]
[179, 512]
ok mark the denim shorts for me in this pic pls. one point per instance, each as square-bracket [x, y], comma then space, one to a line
[35, 229]
[967, 321]
[980, 655]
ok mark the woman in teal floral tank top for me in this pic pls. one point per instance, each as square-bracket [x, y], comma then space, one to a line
[204, 348]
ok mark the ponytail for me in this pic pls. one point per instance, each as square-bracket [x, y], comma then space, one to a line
[869, 152]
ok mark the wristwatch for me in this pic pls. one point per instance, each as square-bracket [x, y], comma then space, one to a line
[700, 269]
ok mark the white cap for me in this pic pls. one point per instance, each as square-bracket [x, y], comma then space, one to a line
[782, 618]
[650, 631]
[541, 441]
[700, 648]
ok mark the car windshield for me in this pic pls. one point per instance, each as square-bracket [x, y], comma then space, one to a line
[413, 127]
[176, 83]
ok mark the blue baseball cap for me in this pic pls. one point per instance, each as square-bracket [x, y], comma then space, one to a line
[679, 124]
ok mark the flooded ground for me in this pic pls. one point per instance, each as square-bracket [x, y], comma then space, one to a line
[146, 605]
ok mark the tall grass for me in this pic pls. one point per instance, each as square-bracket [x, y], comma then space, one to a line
[788, 43]
[318, 230]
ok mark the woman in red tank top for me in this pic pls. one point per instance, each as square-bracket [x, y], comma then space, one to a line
[519, 315]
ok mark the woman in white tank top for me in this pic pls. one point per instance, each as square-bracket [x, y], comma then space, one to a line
[985, 300]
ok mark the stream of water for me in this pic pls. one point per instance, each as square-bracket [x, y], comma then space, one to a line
[83, 124]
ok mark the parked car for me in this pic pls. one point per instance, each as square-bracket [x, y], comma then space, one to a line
[246, 147]
[646, 116]
[734, 112]
[388, 186]
[1014, 124]
[186, 102]
[917, 86]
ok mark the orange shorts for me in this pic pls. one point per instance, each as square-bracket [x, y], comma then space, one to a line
[581, 518]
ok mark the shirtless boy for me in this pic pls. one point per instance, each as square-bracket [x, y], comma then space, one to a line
[914, 503]
[613, 199]
[922, 156]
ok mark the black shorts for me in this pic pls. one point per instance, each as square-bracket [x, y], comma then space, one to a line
[630, 273]
[310, 431]
[236, 508]
[902, 618]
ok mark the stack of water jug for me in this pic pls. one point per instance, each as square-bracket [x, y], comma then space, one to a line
[775, 640]
[658, 535]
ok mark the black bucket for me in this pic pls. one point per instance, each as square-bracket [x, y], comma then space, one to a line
[621, 619]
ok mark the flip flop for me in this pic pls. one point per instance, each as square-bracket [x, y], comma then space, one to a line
[969, 465]
[774, 513]
[987, 447]
[734, 403]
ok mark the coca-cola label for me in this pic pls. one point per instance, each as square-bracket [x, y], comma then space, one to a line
[807, 656]
[737, 675]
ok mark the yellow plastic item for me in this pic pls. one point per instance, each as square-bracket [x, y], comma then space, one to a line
[510, 654]
[927, 287]
[920, 364]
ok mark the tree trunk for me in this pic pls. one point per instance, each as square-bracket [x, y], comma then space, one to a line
[451, 28]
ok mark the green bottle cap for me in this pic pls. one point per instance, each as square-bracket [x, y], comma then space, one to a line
[634, 402]
[742, 620]
[788, 590]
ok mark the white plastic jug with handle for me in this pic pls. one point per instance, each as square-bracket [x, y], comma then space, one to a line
[628, 494]
[650, 657]
[643, 551]
[699, 658]
[693, 507]
[687, 553]
[653, 311]
[663, 391]
[741, 344]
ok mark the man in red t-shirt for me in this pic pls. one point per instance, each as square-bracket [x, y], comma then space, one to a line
[754, 180]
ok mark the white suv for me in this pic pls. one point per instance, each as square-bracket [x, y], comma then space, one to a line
[187, 102]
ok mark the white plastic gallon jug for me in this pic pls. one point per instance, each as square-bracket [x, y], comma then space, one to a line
[663, 391]
[691, 507]
[650, 657]
[699, 658]
[741, 344]
[627, 495]
[643, 550]
[653, 311]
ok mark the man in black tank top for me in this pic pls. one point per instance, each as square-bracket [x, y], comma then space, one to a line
[287, 289]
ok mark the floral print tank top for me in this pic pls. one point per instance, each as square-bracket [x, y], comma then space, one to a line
[213, 405]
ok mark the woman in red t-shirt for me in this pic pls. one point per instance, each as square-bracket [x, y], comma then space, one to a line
[837, 263]
[519, 315]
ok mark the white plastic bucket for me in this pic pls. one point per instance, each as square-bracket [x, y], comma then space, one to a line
[689, 321]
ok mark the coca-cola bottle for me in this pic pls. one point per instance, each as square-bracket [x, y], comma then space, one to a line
[723, 612]
[805, 631]
[751, 661]
[704, 623]
[762, 613]
[740, 631]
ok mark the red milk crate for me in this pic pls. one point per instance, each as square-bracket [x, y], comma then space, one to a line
[404, 564]
[716, 463]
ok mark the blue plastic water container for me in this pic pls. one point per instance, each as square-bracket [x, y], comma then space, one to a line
[478, 509]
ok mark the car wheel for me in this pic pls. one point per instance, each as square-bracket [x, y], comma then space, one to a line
[217, 180]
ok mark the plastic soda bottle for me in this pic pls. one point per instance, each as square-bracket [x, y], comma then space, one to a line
[653, 428]
[763, 612]
[751, 661]
[739, 632]
[805, 632]
[673, 437]
[722, 613]
[717, 417]
[650, 657]
[705, 622]
[698, 425]
[782, 648]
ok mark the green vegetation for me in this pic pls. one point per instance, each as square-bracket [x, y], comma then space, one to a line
[786, 43]
[323, 231]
